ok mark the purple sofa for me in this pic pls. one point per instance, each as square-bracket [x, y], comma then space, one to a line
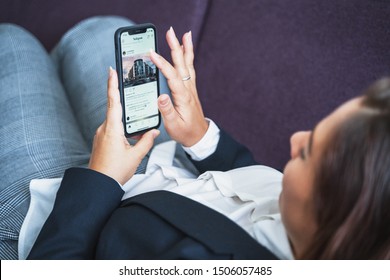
[266, 68]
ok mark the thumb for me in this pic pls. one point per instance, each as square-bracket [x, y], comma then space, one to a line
[114, 107]
[143, 146]
[166, 108]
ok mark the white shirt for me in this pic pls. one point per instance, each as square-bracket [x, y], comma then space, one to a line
[248, 196]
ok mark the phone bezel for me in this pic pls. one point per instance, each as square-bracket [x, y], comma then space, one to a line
[133, 29]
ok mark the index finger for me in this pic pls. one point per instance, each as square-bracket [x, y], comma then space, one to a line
[174, 79]
[177, 53]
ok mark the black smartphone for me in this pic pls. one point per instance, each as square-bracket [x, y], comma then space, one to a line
[138, 77]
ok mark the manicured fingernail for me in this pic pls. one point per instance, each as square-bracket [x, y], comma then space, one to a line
[172, 31]
[190, 36]
[110, 71]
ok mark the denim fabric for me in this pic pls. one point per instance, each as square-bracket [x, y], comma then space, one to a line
[50, 107]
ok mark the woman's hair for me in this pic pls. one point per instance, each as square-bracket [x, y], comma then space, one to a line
[352, 184]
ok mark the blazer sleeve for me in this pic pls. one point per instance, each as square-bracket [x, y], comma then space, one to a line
[84, 202]
[229, 155]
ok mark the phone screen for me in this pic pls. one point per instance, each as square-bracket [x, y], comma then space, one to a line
[139, 80]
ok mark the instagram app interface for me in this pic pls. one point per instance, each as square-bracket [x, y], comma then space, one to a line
[139, 81]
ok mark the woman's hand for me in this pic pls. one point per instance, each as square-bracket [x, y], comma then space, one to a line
[112, 154]
[183, 119]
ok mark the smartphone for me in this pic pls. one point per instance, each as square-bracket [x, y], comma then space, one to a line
[138, 77]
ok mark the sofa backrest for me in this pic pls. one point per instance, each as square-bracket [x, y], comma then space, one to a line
[265, 68]
[269, 68]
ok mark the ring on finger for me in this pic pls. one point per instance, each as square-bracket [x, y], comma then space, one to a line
[186, 78]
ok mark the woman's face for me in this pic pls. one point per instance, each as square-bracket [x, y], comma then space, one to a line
[296, 198]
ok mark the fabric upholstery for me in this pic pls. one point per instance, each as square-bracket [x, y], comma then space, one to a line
[265, 68]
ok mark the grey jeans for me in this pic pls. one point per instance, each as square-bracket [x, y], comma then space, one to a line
[51, 106]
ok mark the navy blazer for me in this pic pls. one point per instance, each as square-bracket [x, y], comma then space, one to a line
[89, 220]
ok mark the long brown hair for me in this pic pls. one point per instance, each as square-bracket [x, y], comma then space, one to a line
[352, 184]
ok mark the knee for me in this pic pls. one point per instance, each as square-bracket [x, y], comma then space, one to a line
[110, 21]
[90, 33]
[100, 24]
[11, 28]
[13, 35]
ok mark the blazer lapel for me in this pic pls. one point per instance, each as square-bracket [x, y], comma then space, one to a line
[203, 224]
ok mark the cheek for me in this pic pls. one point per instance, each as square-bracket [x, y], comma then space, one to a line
[295, 198]
[297, 181]
[287, 199]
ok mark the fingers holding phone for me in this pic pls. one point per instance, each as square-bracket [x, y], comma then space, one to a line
[112, 155]
[137, 99]
[114, 108]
